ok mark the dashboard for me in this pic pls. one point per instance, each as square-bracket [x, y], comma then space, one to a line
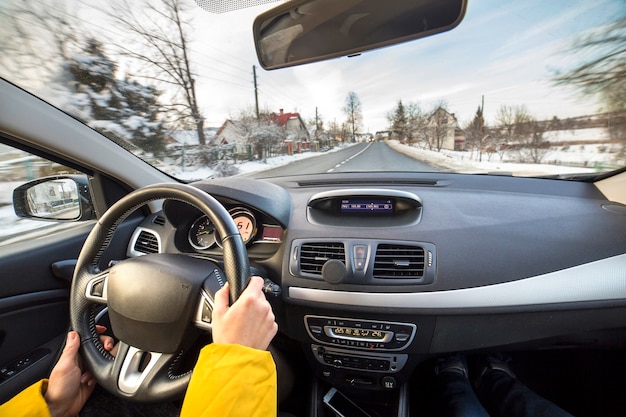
[379, 271]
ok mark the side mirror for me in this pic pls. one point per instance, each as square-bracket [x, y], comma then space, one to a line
[303, 31]
[60, 198]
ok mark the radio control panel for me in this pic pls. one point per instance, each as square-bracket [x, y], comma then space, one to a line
[369, 362]
[360, 334]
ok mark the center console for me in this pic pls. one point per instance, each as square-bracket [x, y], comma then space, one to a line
[360, 353]
[360, 363]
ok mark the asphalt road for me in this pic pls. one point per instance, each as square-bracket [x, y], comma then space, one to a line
[370, 156]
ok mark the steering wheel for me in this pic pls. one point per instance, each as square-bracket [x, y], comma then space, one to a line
[157, 303]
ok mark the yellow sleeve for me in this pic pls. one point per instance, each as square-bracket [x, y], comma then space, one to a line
[232, 381]
[28, 403]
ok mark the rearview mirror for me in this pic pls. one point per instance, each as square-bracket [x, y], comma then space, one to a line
[304, 31]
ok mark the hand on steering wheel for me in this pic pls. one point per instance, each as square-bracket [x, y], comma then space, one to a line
[248, 322]
[156, 302]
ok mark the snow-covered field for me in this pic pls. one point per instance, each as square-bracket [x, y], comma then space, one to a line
[467, 162]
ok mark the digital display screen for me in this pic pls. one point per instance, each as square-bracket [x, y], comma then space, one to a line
[367, 206]
[357, 333]
[271, 233]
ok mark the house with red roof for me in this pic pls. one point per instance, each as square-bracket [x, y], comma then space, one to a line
[297, 134]
[293, 132]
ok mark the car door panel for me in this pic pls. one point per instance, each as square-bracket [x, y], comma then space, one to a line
[34, 306]
[34, 302]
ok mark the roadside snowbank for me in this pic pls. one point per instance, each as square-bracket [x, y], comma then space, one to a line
[463, 162]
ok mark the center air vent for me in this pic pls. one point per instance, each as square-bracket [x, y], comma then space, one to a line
[313, 256]
[399, 262]
[146, 242]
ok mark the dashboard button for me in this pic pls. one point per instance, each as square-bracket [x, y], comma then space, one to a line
[316, 329]
[402, 337]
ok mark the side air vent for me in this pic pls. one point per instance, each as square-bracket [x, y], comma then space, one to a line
[146, 242]
[313, 256]
[399, 262]
[160, 220]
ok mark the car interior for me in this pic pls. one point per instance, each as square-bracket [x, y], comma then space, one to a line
[372, 276]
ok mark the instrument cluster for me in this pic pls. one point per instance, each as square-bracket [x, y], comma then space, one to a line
[203, 234]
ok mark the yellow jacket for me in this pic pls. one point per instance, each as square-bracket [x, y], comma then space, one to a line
[228, 380]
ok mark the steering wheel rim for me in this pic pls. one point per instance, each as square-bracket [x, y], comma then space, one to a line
[108, 369]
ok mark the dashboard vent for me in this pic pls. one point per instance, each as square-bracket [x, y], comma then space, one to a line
[160, 220]
[146, 242]
[313, 256]
[399, 262]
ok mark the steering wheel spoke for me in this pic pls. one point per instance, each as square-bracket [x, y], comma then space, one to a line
[97, 288]
[203, 319]
[136, 367]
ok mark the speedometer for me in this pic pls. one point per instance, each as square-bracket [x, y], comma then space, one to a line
[246, 223]
[202, 233]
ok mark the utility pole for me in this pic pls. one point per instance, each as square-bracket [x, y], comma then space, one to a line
[317, 124]
[481, 122]
[256, 91]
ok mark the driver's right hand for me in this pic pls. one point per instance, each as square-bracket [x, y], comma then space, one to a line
[249, 321]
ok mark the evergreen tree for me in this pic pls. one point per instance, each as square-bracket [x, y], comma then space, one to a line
[475, 133]
[399, 123]
[123, 110]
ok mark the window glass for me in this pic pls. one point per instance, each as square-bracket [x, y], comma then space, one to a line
[16, 168]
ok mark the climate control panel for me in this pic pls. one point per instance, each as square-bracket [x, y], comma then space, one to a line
[360, 334]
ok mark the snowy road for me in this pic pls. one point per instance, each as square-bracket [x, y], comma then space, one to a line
[362, 157]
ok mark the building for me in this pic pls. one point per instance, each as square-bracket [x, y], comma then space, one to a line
[298, 138]
[444, 131]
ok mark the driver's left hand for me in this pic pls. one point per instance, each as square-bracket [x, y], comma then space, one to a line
[69, 386]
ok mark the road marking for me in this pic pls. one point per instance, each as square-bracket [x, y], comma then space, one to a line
[347, 159]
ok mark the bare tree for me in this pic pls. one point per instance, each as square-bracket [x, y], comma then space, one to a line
[417, 121]
[604, 72]
[507, 134]
[320, 134]
[163, 53]
[531, 146]
[48, 36]
[262, 133]
[352, 109]
[334, 131]
[518, 131]
[439, 126]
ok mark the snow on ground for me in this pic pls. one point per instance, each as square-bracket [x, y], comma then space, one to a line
[193, 174]
[11, 225]
[465, 162]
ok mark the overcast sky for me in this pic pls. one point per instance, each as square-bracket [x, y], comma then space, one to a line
[505, 50]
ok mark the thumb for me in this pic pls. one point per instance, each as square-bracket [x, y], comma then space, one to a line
[70, 351]
[72, 343]
[222, 299]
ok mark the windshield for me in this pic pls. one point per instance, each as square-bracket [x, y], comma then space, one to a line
[530, 88]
